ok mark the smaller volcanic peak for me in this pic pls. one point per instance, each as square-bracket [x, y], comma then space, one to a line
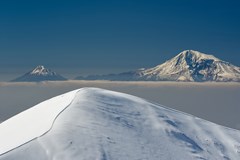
[38, 74]
[41, 70]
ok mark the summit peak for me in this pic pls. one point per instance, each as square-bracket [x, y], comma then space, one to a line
[41, 70]
[197, 55]
[40, 73]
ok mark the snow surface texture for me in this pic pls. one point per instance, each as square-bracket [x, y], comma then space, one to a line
[32, 123]
[40, 73]
[188, 65]
[101, 124]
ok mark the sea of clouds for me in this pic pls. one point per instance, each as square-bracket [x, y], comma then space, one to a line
[216, 102]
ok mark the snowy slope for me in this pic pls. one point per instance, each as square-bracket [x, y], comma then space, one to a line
[100, 124]
[33, 122]
[40, 73]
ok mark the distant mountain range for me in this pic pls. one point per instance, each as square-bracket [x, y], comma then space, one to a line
[188, 65]
[40, 73]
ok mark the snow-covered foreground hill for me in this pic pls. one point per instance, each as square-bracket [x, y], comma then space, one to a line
[93, 123]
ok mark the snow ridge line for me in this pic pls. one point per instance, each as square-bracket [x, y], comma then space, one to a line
[160, 106]
[1, 154]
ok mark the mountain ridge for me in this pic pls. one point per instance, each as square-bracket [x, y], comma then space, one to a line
[188, 65]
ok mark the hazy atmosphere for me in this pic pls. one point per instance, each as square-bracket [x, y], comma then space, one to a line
[217, 102]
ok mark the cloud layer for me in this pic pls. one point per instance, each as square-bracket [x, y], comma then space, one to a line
[217, 102]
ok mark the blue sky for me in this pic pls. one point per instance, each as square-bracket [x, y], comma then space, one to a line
[109, 36]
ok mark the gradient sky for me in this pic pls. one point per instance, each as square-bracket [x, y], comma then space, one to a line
[89, 36]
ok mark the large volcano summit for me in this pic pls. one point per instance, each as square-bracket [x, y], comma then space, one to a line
[192, 65]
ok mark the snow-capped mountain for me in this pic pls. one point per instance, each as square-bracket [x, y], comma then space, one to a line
[188, 65]
[91, 123]
[192, 65]
[40, 73]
